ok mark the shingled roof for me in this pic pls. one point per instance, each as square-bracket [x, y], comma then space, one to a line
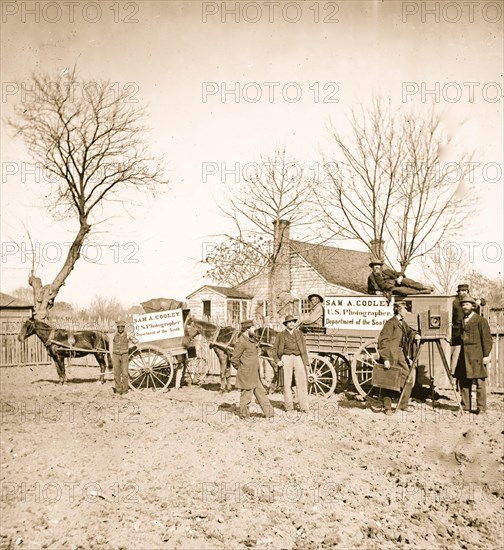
[339, 266]
[224, 291]
[6, 300]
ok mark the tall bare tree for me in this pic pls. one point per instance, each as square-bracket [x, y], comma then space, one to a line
[390, 182]
[277, 189]
[89, 136]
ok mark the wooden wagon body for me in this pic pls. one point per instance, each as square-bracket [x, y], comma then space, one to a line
[348, 356]
[159, 363]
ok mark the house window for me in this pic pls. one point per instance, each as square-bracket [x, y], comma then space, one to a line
[207, 308]
[237, 311]
[305, 306]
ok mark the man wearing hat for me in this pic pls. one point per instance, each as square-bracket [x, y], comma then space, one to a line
[476, 345]
[386, 281]
[457, 316]
[245, 359]
[120, 345]
[289, 352]
[394, 343]
[314, 321]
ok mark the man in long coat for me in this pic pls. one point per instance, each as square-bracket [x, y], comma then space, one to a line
[457, 316]
[474, 356]
[245, 359]
[394, 342]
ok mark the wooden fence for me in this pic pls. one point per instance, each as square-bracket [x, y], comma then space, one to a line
[14, 353]
[32, 352]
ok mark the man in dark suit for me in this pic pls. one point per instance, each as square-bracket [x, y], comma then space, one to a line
[474, 356]
[457, 316]
[394, 342]
[245, 359]
[386, 281]
[289, 352]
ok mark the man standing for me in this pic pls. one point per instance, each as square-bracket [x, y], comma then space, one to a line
[315, 318]
[476, 345]
[386, 281]
[394, 342]
[457, 316]
[245, 359]
[289, 352]
[120, 346]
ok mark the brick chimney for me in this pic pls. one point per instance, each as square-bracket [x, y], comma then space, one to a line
[280, 269]
[377, 249]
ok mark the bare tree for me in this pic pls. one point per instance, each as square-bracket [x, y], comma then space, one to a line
[278, 189]
[105, 308]
[89, 137]
[445, 267]
[388, 183]
[231, 262]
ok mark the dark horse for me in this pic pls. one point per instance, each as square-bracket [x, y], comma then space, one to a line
[61, 344]
[222, 341]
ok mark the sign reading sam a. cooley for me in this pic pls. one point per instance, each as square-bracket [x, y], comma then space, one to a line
[356, 312]
[159, 325]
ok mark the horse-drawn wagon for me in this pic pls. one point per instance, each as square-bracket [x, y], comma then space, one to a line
[346, 351]
[164, 345]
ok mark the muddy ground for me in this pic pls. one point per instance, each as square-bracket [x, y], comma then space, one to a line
[84, 468]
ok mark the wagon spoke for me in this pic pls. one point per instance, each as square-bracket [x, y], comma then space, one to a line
[150, 368]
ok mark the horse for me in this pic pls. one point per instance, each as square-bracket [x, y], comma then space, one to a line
[222, 341]
[61, 344]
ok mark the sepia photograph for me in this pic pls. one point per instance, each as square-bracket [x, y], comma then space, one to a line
[252, 275]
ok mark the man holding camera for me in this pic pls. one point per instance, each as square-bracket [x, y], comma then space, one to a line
[476, 345]
[394, 342]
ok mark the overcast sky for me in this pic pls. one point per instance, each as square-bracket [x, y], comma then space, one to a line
[320, 60]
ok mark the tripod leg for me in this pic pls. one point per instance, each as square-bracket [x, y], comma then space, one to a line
[448, 373]
[412, 367]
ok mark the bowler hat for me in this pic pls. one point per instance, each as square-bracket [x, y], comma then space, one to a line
[244, 325]
[310, 296]
[120, 323]
[375, 262]
[468, 299]
[462, 287]
[289, 318]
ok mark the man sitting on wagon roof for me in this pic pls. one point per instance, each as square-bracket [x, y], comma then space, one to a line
[387, 282]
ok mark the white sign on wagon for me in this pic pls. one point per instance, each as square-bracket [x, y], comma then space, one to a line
[159, 325]
[356, 312]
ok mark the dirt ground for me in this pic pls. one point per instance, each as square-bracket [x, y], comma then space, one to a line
[83, 468]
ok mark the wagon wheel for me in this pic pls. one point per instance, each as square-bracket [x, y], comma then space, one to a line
[150, 367]
[343, 369]
[362, 370]
[196, 370]
[322, 377]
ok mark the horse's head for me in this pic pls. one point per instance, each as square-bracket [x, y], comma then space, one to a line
[27, 329]
[197, 326]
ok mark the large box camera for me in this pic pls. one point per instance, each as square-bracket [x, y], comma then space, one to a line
[434, 323]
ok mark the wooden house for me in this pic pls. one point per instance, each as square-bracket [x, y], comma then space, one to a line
[301, 268]
[13, 312]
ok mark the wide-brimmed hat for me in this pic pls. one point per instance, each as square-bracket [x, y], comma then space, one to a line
[120, 323]
[462, 287]
[469, 299]
[289, 318]
[310, 296]
[375, 262]
[244, 325]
